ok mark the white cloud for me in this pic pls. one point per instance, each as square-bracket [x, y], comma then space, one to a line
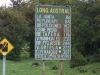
[5, 2]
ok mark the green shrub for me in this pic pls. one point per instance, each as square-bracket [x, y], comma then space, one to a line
[54, 68]
[93, 70]
[24, 54]
[77, 59]
[82, 70]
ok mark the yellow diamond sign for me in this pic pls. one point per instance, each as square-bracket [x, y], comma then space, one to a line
[5, 46]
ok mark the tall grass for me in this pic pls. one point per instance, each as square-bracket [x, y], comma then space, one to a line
[24, 67]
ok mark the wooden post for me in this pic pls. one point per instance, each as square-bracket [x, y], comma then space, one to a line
[61, 69]
[39, 1]
[43, 69]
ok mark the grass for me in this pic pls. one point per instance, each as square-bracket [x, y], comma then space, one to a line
[24, 67]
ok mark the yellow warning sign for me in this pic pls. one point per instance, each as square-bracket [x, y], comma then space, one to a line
[5, 46]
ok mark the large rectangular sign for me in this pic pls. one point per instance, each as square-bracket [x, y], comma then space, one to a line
[52, 32]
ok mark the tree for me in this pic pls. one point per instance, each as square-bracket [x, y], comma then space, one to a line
[29, 12]
[14, 27]
[85, 27]
[16, 3]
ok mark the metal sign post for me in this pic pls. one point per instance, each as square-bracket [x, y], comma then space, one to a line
[4, 66]
[5, 48]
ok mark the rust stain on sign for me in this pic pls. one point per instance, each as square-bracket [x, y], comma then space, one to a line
[61, 32]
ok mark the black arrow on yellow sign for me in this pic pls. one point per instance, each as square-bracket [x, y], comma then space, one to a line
[4, 47]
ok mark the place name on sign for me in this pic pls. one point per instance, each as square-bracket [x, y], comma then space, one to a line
[52, 10]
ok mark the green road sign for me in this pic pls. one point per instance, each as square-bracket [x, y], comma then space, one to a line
[52, 32]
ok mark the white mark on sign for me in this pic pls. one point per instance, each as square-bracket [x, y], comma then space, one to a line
[59, 47]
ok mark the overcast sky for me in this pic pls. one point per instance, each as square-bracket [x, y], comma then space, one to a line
[7, 2]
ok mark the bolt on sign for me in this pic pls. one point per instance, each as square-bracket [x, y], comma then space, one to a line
[5, 47]
[52, 32]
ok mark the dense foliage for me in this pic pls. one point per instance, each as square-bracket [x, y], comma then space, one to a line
[86, 29]
[14, 27]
